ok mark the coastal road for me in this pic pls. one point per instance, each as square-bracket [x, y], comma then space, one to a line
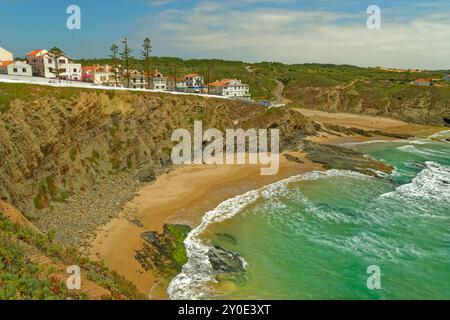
[278, 92]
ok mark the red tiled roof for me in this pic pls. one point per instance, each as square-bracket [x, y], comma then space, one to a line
[191, 75]
[88, 68]
[220, 83]
[173, 78]
[33, 53]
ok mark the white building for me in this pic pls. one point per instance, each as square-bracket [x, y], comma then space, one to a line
[158, 81]
[103, 75]
[43, 63]
[231, 88]
[5, 55]
[20, 68]
[137, 80]
[194, 82]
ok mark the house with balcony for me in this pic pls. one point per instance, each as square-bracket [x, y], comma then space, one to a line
[157, 81]
[44, 63]
[230, 88]
[101, 75]
[194, 82]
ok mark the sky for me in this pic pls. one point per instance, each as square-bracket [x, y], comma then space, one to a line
[414, 33]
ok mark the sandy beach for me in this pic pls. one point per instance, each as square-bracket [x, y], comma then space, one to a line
[187, 192]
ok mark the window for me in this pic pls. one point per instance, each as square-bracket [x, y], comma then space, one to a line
[24, 70]
[61, 61]
[14, 69]
[49, 60]
[75, 70]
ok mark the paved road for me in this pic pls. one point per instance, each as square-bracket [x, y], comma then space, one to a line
[278, 92]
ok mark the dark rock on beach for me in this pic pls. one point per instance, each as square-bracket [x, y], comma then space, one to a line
[164, 252]
[336, 157]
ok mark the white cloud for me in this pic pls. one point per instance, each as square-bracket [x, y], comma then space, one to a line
[222, 30]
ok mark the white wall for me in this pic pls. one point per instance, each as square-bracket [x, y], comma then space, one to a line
[5, 55]
[20, 69]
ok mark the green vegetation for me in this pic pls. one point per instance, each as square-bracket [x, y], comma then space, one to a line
[20, 278]
[164, 253]
[29, 92]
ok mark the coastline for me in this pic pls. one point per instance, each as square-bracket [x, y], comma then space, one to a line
[187, 192]
[181, 196]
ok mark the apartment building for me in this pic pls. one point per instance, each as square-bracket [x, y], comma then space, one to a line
[43, 64]
[231, 88]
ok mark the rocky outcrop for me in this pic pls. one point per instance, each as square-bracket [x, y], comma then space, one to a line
[423, 105]
[225, 261]
[164, 253]
[335, 157]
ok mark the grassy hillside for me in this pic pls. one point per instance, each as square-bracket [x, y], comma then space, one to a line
[33, 266]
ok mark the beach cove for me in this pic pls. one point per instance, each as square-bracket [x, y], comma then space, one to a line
[186, 193]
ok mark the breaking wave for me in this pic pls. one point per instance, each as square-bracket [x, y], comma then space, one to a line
[197, 273]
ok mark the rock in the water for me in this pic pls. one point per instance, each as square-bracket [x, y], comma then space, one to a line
[336, 157]
[227, 237]
[225, 261]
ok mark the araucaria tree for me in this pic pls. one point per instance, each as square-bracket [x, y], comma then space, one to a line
[56, 53]
[114, 52]
[126, 60]
[145, 53]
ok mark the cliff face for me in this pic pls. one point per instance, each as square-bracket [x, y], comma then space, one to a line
[52, 146]
[423, 105]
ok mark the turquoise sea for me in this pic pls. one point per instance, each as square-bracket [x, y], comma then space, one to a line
[314, 236]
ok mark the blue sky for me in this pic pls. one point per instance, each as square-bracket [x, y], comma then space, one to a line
[414, 34]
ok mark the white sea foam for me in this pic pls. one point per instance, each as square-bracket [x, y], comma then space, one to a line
[442, 135]
[432, 183]
[421, 151]
[197, 273]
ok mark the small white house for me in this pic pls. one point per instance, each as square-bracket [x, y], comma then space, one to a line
[231, 88]
[5, 55]
[20, 68]
[194, 82]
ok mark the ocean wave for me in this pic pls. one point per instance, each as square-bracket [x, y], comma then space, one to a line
[432, 183]
[442, 135]
[197, 273]
[426, 152]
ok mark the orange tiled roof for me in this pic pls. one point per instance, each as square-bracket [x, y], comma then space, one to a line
[191, 75]
[34, 52]
[220, 83]
[173, 78]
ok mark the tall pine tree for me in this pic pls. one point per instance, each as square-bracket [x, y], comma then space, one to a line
[145, 53]
[126, 59]
[114, 51]
[56, 53]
